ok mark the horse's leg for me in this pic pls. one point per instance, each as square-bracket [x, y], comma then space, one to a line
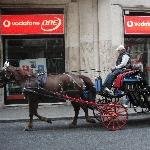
[76, 110]
[87, 117]
[41, 117]
[33, 106]
[31, 113]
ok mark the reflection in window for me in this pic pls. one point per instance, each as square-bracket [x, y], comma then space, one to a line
[140, 46]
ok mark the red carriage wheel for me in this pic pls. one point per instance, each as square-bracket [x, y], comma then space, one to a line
[97, 112]
[114, 116]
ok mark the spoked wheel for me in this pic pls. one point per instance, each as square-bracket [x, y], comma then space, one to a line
[114, 116]
[102, 103]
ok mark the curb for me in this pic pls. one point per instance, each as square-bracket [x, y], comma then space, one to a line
[36, 119]
[131, 116]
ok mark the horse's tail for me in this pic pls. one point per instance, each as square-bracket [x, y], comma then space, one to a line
[89, 86]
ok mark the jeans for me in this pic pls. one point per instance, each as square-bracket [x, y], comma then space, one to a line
[110, 78]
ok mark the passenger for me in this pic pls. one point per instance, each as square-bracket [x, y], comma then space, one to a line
[137, 63]
[123, 62]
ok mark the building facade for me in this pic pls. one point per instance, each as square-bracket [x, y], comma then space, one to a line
[80, 37]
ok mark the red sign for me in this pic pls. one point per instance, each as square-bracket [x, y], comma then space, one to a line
[32, 24]
[137, 24]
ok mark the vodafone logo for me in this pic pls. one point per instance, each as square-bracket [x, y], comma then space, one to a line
[138, 24]
[51, 25]
[6, 23]
[45, 25]
[33, 24]
[129, 24]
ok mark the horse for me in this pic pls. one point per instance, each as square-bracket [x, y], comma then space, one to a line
[34, 90]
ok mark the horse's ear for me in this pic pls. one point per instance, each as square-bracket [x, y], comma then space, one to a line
[6, 64]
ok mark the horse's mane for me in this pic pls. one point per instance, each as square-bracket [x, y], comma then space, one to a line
[88, 82]
[21, 72]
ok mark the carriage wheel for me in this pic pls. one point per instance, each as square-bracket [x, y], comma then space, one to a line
[114, 116]
[97, 111]
[102, 103]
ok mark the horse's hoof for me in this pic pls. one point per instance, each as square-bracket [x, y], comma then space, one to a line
[49, 121]
[28, 129]
[72, 125]
[91, 120]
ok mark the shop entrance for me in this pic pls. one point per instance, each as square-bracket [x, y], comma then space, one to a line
[140, 47]
[44, 53]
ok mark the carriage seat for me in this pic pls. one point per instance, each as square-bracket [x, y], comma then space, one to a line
[126, 76]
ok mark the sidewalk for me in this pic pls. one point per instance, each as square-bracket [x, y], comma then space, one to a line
[54, 111]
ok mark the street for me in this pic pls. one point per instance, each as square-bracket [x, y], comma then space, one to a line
[58, 136]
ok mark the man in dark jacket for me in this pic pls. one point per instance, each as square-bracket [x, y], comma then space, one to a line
[123, 62]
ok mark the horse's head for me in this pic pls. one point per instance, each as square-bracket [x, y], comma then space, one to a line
[6, 75]
[10, 73]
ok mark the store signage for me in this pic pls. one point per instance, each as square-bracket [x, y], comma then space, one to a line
[32, 24]
[137, 24]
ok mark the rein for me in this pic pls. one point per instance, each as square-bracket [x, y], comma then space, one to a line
[59, 95]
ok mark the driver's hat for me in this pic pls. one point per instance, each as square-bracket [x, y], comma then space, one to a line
[120, 48]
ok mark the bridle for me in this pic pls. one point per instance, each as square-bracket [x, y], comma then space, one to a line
[4, 79]
[6, 76]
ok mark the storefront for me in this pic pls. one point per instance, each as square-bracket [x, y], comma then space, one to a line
[68, 40]
[32, 40]
[137, 39]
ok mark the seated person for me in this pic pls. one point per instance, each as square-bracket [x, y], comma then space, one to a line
[137, 63]
[123, 62]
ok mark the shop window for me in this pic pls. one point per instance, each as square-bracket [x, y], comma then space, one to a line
[38, 54]
[52, 49]
[140, 47]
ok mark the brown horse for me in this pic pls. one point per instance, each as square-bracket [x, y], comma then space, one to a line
[35, 89]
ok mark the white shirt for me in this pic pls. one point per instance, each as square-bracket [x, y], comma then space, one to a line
[125, 59]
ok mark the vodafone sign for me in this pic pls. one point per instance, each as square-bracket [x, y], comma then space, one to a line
[137, 24]
[32, 24]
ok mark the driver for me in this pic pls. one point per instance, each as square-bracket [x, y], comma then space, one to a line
[123, 62]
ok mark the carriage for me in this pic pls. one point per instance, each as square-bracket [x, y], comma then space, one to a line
[82, 93]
